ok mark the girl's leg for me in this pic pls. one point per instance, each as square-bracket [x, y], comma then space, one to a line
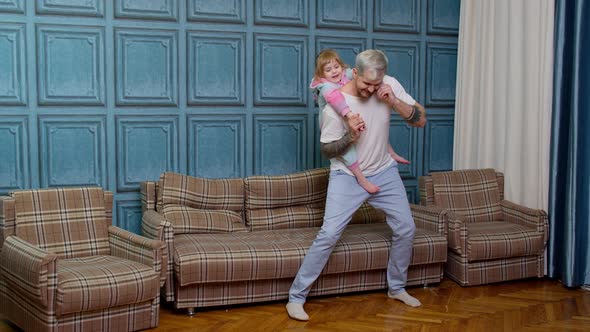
[350, 159]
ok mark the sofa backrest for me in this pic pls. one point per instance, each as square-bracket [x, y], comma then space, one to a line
[195, 205]
[69, 222]
[286, 201]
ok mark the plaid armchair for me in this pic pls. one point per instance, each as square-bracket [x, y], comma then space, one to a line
[64, 267]
[490, 239]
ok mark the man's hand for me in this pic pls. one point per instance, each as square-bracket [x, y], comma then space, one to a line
[356, 124]
[386, 95]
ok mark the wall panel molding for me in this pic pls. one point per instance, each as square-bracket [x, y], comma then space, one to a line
[127, 214]
[397, 16]
[281, 12]
[221, 11]
[146, 147]
[147, 67]
[150, 10]
[342, 14]
[438, 145]
[71, 7]
[280, 70]
[14, 149]
[210, 134]
[12, 6]
[216, 68]
[13, 82]
[443, 17]
[72, 151]
[441, 67]
[280, 144]
[70, 67]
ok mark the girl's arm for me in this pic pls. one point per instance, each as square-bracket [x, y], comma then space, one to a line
[335, 98]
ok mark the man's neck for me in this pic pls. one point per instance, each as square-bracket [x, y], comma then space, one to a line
[350, 89]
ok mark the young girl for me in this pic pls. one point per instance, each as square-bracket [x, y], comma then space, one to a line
[330, 74]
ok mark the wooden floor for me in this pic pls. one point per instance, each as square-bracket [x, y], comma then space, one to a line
[529, 305]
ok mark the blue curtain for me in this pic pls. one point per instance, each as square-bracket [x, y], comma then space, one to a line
[569, 197]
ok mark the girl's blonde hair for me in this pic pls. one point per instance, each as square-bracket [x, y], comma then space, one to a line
[323, 58]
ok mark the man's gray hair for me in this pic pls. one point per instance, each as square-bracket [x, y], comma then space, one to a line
[371, 64]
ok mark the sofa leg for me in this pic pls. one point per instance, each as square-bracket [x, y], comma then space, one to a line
[190, 311]
[426, 285]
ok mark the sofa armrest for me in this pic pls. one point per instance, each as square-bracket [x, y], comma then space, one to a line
[430, 217]
[125, 244]
[28, 268]
[523, 215]
[155, 226]
[457, 233]
[6, 218]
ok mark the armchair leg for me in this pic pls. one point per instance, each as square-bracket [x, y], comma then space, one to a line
[190, 311]
[426, 285]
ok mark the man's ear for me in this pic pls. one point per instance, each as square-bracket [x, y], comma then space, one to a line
[354, 73]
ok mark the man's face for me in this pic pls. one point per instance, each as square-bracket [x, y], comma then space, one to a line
[366, 87]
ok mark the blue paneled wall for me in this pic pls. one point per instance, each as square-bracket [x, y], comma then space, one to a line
[113, 92]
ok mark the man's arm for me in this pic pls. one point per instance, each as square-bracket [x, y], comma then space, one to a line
[338, 148]
[415, 115]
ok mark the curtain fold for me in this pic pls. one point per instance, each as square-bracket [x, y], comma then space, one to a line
[504, 94]
[569, 195]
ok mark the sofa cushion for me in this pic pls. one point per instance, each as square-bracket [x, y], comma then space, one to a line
[97, 282]
[208, 258]
[473, 194]
[367, 214]
[286, 201]
[499, 239]
[199, 193]
[69, 222]
[185, 219]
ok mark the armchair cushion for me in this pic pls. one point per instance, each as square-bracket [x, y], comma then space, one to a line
[42, 214]
[185, 219]
[473, 194]
[499, 239]
[97, 282]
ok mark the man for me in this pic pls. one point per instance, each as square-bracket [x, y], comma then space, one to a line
[372, 100]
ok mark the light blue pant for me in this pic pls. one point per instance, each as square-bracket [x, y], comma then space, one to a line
[345, 196]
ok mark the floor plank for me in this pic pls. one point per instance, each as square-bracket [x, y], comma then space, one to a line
[526, 305]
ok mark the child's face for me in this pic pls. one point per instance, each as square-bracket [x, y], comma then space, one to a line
[333, 71]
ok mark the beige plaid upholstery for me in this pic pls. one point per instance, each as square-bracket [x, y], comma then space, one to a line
[98, 282]
[472, 193]
[490, 239]
[40, 217]
[286, 201]
[199, 193]
[213, 262]
[64, 268]
[185, 219]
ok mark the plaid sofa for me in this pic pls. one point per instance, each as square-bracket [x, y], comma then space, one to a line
[490, 239]
[64, 267]
[242, 240]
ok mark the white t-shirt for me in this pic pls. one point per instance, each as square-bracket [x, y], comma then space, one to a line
[372, 145]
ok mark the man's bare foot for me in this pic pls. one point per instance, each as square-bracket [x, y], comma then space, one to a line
[368, 186]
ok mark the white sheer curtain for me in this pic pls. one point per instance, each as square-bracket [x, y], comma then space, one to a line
[504, 93]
